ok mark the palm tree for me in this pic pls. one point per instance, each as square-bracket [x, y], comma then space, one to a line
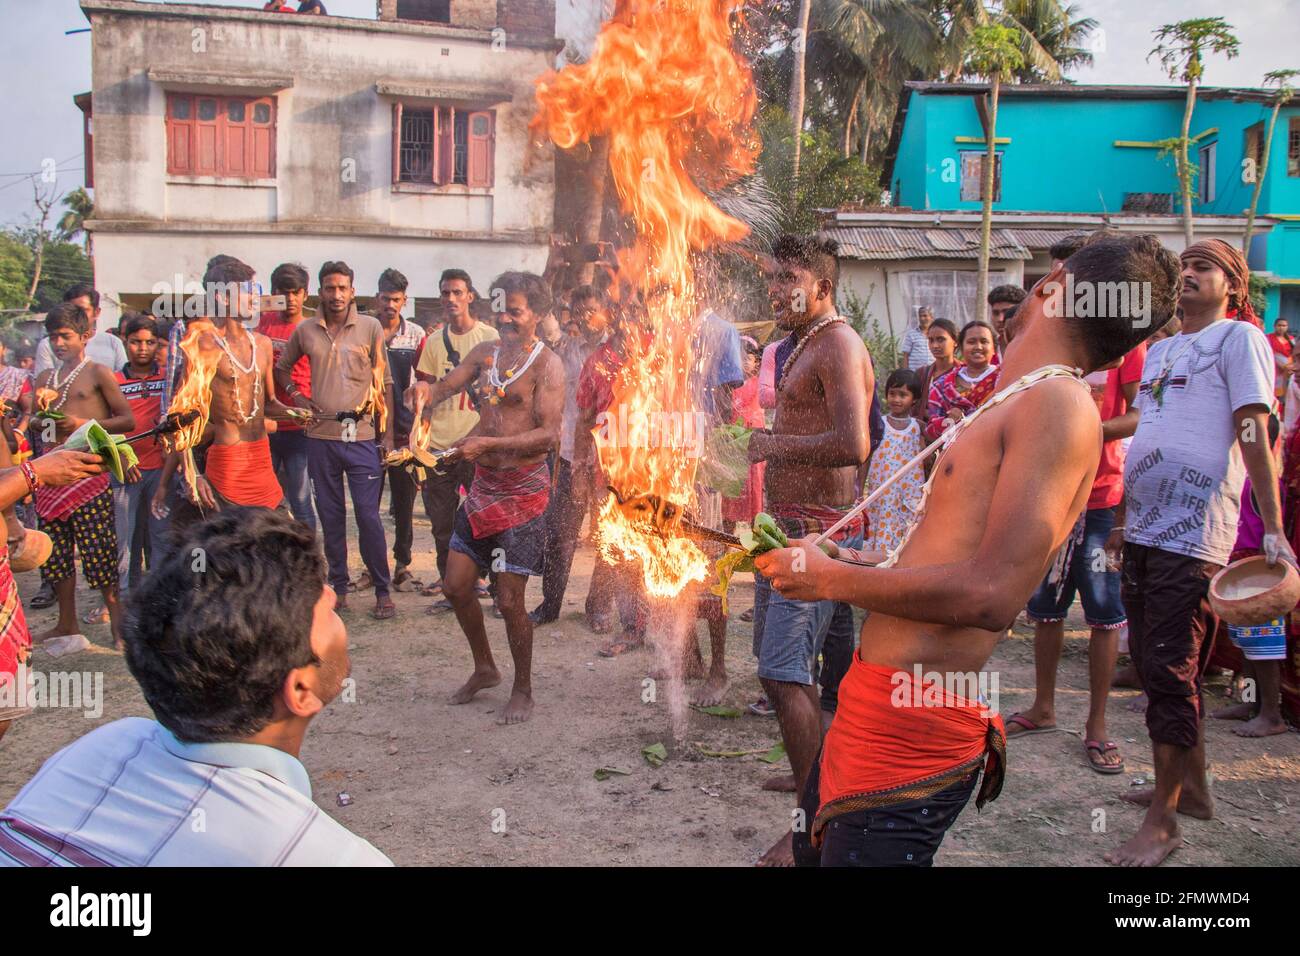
[800, 47]
[1282, 80]
[1181, 48]
[994, 52]
[1054, 28]
[72, 223]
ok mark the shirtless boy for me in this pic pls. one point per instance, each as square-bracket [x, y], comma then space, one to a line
[900, 760]
[501, 525]
[819, 438]
[79, 517]
[237, 469]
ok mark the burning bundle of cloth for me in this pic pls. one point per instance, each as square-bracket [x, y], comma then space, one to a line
[666, 88]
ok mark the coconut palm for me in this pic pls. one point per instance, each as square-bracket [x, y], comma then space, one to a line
[1056, 29]
[994, 52]
[1181, 49]
[80, 207]
[1282, 80]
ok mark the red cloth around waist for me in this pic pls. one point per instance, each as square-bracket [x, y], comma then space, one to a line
[15, 639]
[889, 731]
[243, 473]
[55, 504]
[799, 521]
[504, 498]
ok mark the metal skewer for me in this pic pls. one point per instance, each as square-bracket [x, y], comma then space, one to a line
[171, 424]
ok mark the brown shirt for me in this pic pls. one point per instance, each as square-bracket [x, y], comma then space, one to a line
[342, 369]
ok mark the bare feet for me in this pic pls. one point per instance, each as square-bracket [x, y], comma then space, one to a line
[1189, 805]
[479, 680]
[1235, 712]
[781, 852]
[711, 692]
[1261, 726]
[55, 631]
[621, 645]
[519, 709]
[1148, 847]
[783, 784]
[340, 603]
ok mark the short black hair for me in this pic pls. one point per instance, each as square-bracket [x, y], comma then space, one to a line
[1007, 293]
[904, 378]
[451, 275]
[390, 280]
[289, 277]
[817, 253]
[133, 322]
[208, 648]
[588, 292]
[1062, 249]
[65, 315]
[224, 269]
[338, 268]
[78, 290]
[948, 325]
[1140, 262]
[528, 284]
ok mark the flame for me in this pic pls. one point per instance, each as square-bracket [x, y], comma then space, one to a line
[665, 86]
[376, 402]
[194, 394]
[44, 396]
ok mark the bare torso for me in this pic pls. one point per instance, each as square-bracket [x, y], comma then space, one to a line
[951, 530]
[516, 413]
[235, 393]
[802, 409]
[82, 398]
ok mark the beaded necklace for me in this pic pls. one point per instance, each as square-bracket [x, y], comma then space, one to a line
[498, 382]
[803, 343]
[249, 369]
[65, 388]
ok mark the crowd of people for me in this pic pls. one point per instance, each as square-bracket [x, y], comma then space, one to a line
[1001, 459]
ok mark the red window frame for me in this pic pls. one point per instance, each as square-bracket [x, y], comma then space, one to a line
[465, 158]
[231, 144]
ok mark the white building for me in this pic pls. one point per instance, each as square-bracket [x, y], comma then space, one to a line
[898, 260]
[274, 137]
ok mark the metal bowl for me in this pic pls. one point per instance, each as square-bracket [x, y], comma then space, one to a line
[1249, 591]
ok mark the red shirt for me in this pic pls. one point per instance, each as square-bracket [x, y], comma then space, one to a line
[145, 398]
[274, 326]
[1108, 486]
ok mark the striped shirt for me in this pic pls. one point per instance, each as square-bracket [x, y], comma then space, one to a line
[130, 794]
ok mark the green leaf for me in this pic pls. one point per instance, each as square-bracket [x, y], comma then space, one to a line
[655, 754]
[604, 773]
[725, 567]
[719, 711]
[775, 754]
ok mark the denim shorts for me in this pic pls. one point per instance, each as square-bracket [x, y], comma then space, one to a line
[517, 550]
[1099, 591]
[788, 634]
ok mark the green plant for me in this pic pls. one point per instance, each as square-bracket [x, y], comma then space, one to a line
[883, 345]
[1258, 290]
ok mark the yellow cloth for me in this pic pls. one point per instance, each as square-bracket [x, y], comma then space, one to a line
[453, 419]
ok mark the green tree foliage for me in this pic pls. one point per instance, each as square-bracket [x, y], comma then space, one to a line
[64, 264]
[15, 271]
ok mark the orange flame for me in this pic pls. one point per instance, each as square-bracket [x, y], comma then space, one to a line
[194, 394]
[666, 87]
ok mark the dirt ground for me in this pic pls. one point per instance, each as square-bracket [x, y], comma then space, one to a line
[434, 784]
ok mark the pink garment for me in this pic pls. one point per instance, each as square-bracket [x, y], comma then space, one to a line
[750, 502]
[767, 376]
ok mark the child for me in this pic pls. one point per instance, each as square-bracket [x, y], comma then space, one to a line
[140, 533]
[890, 516]
[79, 517]
[745, 402]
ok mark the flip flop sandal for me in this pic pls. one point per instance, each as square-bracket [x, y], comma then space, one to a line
[431, 590]
[761, 708]
[43, 600]
[383, 612]
[98, 616]
[620, 646]
[482, 591]
[438, 607]
[363, 583]
[402, 575]
[1024, 727]
[1100, 749]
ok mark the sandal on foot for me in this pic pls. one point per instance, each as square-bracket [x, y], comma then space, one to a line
[431, 590]
[438, 607]
[1018, 725]
[619, 646]
[382, 612]
[1096, 750]
[364, 583]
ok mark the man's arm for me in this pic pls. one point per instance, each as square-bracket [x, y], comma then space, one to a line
[1126, 425]
[454, 382]
[283, 372]
[848, 441]
[1051, 445]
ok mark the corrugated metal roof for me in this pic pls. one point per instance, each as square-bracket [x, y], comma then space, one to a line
[1039, 240]
[883, 242]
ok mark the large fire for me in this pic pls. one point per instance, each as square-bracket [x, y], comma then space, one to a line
[665, 86]
[193, 395]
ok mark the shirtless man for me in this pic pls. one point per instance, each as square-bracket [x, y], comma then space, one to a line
[903, 754]
[237, 469]
[501, 525]
[819, 438]
[78, 518]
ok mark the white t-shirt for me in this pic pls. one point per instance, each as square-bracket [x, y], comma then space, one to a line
[915, 349]
[1184, 470]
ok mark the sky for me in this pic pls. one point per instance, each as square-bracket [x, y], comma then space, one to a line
[54, 66]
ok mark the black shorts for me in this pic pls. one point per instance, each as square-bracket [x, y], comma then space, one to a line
[518, 550]
[1171, 633]
[902, 834]
[90, 532]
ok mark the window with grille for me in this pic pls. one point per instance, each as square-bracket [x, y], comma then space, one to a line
[1293, 150]
[443, 145]
[226, 136]
[972, 176]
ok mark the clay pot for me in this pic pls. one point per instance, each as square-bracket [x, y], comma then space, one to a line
[1249, 592]
[32, 553]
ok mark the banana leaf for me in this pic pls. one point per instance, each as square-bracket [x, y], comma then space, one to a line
[119, 457]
